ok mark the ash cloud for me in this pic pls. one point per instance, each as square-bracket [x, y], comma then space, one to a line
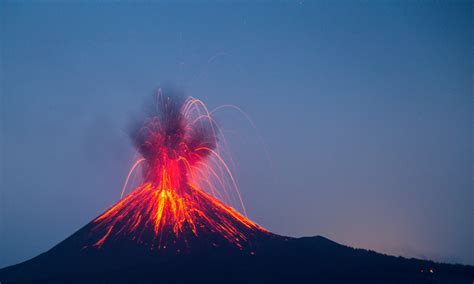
[164, 129]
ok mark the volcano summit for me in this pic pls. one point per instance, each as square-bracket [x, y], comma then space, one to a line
[174, 227]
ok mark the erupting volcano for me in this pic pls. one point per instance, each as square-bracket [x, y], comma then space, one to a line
[173, 225]
[183, 177]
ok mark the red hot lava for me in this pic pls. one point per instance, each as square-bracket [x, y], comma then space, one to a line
[184, 178]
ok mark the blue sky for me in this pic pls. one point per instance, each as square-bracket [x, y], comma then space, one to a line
[365, 109]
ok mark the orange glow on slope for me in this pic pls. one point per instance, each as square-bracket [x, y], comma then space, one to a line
[170, 207]
[164, 210]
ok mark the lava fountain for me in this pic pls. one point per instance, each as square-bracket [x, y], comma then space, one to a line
[184, 180]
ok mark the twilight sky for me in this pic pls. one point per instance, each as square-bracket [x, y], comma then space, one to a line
[365, 109]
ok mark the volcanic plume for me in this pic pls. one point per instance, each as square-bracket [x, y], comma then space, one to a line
[183, 177]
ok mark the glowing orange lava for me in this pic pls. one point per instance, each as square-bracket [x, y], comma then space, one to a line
[184, 176]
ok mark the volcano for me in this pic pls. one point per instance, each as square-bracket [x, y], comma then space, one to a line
[174, 227]
[170, 210]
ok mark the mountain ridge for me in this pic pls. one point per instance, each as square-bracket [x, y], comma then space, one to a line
[277, 260]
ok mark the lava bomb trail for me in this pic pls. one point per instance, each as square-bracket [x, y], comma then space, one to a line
[184, 182]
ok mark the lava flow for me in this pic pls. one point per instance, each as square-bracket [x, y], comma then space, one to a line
[183, 180]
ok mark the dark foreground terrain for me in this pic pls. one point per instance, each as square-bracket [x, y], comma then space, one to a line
[274, 260]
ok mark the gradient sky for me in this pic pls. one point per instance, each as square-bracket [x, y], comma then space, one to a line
[365, 109]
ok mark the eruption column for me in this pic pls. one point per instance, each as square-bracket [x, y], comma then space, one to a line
[184, 176]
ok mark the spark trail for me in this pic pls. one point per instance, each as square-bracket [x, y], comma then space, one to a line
[185, 179]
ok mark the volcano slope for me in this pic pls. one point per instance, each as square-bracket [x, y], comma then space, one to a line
[272, 259]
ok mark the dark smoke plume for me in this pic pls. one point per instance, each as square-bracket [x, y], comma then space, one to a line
[171, 127]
